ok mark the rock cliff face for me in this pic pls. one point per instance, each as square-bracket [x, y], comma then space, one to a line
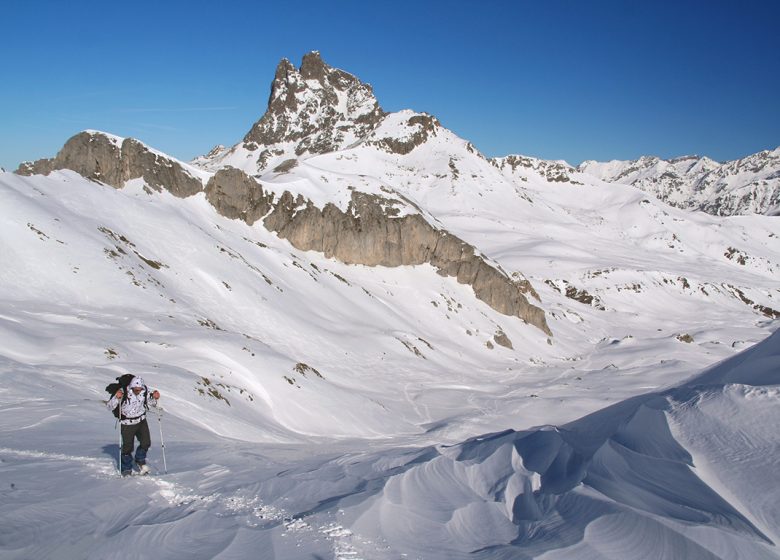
[315, 109]
[236, 195]
[370, 235]
[114, 161]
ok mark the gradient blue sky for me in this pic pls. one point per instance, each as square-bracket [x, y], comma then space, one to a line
[556, 79]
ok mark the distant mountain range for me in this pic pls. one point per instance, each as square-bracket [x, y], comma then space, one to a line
[750, 185]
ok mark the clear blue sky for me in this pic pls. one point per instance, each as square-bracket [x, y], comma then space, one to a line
[574, 80]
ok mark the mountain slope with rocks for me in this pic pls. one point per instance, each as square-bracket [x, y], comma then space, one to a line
[372, 341]
[750, 185]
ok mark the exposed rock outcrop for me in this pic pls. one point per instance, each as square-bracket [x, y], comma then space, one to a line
[317, 108]
[502, 340]
[236, 195]
[366, 233]
[552, 171]
[114, 161]
[413, 132]
[94, 156]
[37, 167]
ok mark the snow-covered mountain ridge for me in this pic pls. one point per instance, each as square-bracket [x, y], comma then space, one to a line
[370, 229]
[750, 185]
[328, 378]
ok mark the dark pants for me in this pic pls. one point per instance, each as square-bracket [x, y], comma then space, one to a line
[129, 434]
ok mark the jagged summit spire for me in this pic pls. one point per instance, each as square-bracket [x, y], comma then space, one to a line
[280, 98]
[313, 67]
[316, 107]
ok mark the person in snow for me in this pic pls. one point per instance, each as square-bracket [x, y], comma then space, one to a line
[132, 417]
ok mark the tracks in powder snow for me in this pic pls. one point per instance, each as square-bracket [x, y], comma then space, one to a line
[167, 493]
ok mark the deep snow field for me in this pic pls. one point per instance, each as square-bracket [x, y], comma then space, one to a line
[313, 409]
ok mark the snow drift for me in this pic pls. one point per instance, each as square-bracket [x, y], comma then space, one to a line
[689, 471]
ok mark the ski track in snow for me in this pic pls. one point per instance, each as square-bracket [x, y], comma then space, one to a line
[345, 543]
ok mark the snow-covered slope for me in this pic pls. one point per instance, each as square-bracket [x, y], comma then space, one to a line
[317, 409]
[223, 321]
[689, 472]
[750, 185]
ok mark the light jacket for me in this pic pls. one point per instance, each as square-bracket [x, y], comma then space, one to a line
[133, 410]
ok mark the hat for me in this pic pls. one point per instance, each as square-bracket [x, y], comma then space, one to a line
[136, 382]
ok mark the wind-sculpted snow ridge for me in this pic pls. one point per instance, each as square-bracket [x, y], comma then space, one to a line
[682, 473]
[685, 472]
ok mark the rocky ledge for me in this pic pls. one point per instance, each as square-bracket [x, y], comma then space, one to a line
[370, 233]
[114, 161]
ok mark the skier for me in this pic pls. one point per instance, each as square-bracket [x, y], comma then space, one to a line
[132, 415]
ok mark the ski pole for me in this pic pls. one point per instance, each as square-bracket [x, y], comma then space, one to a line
[162, 442]
[119, 454]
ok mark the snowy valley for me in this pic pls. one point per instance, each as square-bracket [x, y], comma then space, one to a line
[374, 342]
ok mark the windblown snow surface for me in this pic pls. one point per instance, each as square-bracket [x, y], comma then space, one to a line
[312, 409]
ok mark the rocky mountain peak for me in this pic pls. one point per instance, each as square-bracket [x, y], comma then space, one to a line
[284, 69]
[313, 109]
[313, 67]
[283, 88]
